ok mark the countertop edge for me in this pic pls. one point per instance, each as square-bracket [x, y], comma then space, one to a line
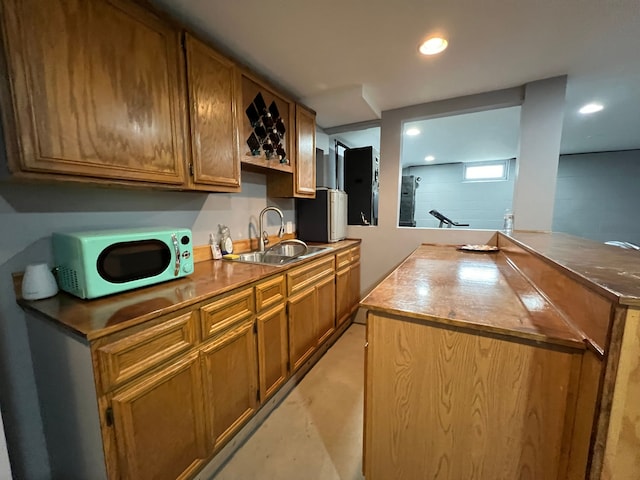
[576, 344]
[94, 334]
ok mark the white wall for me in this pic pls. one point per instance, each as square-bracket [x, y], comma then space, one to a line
[387, 244]
[540, 131]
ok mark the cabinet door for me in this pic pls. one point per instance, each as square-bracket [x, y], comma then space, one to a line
[212, 82]
[97, 90]
[159, 423]
[343, 295]
[305, 169]
[230, 381]
[302, 327]
[354, 285]
[325, 291]
[273, 350]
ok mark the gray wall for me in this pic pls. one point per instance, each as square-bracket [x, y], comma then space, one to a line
[28, 215]
[598, 196]
[480, 204]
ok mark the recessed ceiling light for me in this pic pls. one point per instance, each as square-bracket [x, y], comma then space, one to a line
[412, 132]
[429, 158]
[590, 108]
[433, 46]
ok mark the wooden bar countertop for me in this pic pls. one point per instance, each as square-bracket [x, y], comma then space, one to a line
[611, 271]
[92, 319]
[473, 290]
[495, 292]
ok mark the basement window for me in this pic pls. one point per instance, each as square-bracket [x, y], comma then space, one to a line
[486, 171]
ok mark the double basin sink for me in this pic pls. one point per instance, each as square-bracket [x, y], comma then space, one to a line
[280, 255]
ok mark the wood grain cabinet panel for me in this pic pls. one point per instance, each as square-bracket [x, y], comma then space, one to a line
[159, 423]
[302, 184]
[96, 91]
[347, 283]
[270, 292]
[220, 315]
[305, 276]
[354, 285]
[305, 168]
[230, 382]
[443, 403]
[212, 85]
[302, 327]
[343, 295]
[325, 291]
[311, 308]
[273, 350]
[130, 356]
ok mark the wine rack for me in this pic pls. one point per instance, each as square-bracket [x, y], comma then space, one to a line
[268, 130]
[267, 136]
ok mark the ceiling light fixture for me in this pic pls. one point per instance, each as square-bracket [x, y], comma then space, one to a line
[590, 108]
[429, 158]
[433, 46]
[412, 132]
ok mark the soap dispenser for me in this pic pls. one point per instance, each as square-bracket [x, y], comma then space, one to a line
[226, 244]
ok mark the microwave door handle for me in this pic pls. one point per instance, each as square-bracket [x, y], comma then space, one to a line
[176, 249]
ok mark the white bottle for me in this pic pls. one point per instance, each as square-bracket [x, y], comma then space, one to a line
[215, 248]
[508, 222]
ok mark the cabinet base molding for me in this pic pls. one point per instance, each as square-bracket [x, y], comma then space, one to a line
[265, 410]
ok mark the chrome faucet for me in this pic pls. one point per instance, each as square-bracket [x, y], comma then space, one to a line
[264, 237]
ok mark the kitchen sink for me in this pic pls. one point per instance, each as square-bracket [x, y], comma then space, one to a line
[279, 255]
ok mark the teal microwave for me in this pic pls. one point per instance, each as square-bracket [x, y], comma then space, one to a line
[102, 262]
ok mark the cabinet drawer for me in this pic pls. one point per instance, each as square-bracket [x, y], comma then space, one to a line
[300, 278]
[219, 315]
[355, 254]
[269, 293]
[343, 259]
[130, 356]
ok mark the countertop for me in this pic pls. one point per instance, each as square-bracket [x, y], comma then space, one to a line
[613, 271]
[490, 292]
[92, 319]
[477, 291]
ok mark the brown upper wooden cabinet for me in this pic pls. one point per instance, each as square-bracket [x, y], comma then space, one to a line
[305, 173]
[95, 90]
[105, 91]
[212, 85]
[302, 183]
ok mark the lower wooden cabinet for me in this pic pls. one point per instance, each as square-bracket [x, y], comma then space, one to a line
[347, 284]
[326, 311]
[161, 398]
[302, 327]
[230, 382]
[343, 296]
[159, 423]
[273, 350]
[442, 402]
[311, 308]
[354, 285]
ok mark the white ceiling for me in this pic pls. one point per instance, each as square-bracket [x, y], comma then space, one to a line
[350, 60]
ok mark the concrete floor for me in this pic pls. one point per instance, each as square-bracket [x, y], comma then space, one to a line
[316, 432]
